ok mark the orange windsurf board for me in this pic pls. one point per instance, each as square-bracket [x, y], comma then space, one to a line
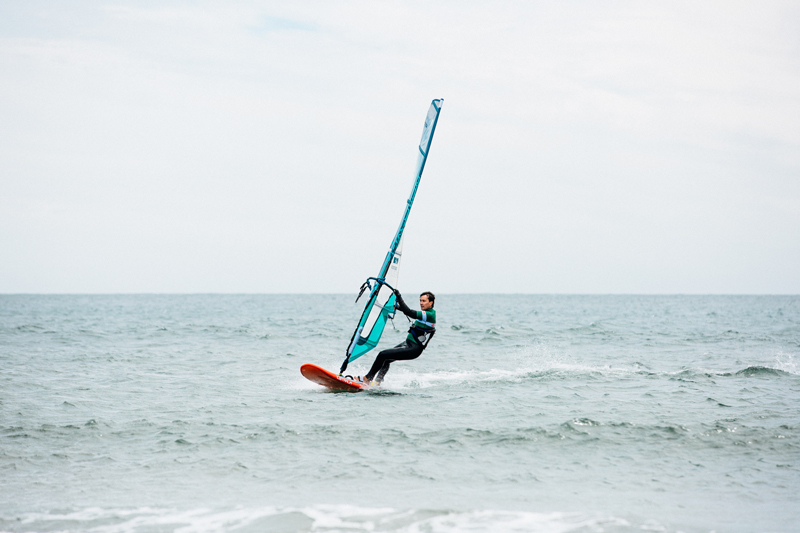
[323, 377]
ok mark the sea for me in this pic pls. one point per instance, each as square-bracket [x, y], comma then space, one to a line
[543, 413]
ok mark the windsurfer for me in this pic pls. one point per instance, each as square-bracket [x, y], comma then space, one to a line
[419, 334]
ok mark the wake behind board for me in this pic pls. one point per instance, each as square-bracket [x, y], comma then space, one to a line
[330, 380]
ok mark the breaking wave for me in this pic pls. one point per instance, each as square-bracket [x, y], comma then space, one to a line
[319, 518]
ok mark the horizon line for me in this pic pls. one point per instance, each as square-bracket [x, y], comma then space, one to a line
[348, 294]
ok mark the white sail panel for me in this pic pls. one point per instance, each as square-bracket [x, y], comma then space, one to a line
[430, 122]
[393, 274]
[384, 293]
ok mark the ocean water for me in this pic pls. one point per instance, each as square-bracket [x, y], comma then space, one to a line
[147, 413]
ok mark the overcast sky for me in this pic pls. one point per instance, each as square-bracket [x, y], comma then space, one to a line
[260, 147]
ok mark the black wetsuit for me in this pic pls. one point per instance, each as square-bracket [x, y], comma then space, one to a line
[418, 336]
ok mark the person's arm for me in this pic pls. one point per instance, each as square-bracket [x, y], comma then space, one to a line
[401, 305]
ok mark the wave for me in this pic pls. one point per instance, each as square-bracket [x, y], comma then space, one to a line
[784, 366]
[318, 518]
[766, 371]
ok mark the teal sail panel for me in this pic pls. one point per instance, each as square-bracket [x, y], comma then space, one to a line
[380, 305]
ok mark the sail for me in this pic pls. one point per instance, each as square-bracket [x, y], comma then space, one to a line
[380, 305]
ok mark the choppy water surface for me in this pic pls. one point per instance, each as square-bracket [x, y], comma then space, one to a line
[527, 413]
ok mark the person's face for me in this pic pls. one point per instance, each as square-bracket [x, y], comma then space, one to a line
[424, 303]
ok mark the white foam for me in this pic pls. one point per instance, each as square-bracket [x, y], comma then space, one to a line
[322, 518]
[345, 517]
[403, 378]
[505, 521]
[786, 363]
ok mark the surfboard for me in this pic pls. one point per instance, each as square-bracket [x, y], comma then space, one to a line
[328, 379]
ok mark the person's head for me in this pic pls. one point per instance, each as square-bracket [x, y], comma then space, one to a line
[426, 300]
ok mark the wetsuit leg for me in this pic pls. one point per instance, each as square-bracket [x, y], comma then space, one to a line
[405, 351]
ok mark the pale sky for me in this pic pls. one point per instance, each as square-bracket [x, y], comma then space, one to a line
[262, 147]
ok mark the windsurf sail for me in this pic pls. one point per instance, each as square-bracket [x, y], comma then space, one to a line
[381, 302]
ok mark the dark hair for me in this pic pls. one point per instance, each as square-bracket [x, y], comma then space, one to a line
[430, 296]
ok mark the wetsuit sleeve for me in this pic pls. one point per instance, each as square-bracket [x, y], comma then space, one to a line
[401, 305]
